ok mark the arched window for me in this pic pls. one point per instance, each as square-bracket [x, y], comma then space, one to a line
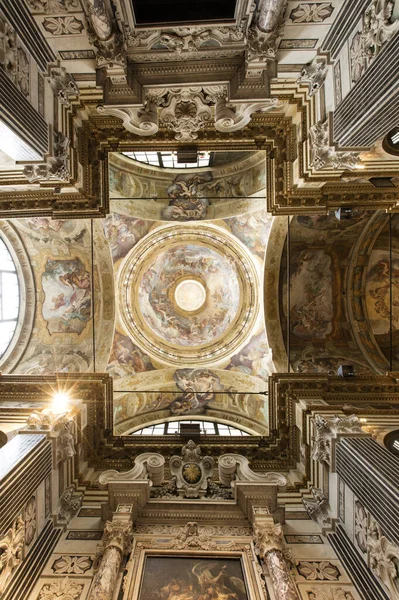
[168, 159]
[391, 441]
[390, 142]
[9, 298]
[206, 428]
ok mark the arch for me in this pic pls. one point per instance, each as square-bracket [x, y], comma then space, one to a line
[208, 426]
[23, 330]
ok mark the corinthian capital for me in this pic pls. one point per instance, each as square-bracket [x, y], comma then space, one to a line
[118, 534]
[267, 537]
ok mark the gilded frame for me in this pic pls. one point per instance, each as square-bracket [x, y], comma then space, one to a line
[225, 549]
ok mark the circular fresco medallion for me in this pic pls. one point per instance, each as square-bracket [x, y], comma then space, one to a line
[191, 473]
[189, 293]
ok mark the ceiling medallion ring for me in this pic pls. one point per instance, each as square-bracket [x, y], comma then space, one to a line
[221, 294]
[189, 295]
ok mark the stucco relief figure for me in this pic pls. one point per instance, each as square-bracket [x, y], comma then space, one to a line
[67, 289]
[199, 387]
[187, 200]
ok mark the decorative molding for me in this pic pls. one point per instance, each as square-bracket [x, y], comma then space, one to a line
[30, 521]
[72, 565]
[318, 570]
[53, 6]
[311, 12]
[61, 589]
[143, 122]
[63, 25]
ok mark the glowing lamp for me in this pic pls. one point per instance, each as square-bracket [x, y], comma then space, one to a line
[60, 403]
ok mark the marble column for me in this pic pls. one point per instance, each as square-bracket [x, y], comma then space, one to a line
[118, 536]
[269, 543]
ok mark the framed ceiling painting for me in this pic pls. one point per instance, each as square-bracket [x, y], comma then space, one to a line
[193, 575]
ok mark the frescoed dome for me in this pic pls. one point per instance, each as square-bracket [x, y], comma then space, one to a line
[189, 292]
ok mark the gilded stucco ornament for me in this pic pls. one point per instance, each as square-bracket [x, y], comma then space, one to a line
[148, 465]
[191, 471]
[323, 155]
[234, 467]
[327, 429]
[231, 116]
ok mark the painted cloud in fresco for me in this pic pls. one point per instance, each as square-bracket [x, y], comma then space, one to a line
[254, 359]
[123, 233]
[252, 229]
[126, 358]
[187, 199]
[67, 289]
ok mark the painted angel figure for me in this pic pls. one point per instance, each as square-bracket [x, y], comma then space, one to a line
[217, 586]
